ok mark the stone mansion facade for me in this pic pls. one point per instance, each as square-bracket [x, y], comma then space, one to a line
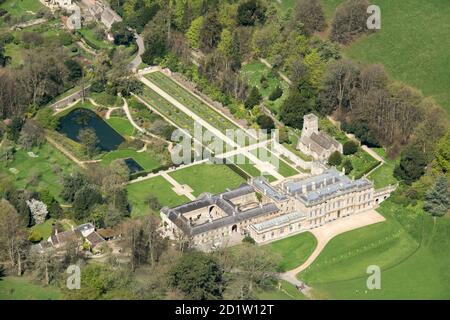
[269, 212]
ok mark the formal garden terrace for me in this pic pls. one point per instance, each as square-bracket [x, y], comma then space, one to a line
[197, 106]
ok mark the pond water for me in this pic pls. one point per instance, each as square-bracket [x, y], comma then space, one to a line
[133, 166]
[78, 119]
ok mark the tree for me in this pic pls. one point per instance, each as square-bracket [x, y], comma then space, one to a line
[121, 34]
[350, 21]
[412, 164]
[101, 281]
[15, 128]
[153, 203]
[4, 59]
[71, 184]
[38, 211]
[350, 147]
[12, 236]
[193, 33]
[310, 14]
[46, 265]
[54, 209]
[199, 276]
[298, 103]
[276, 93]
[437, 200]
[45, 118]
[31, 135]
[210, 32]
[75, 69]
[250, 12]
[265, 122]
[348, 166]
[84, 200]
[252, 268]
[120, 78]
[253, 99]
[443, 154]
[335, 159]
[88, 139]
[225, 44]
[113, 184]
[156, 38]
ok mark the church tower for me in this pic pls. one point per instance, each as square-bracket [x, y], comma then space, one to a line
[310, 125]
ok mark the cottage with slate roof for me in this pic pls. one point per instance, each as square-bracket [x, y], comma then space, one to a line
[315, 143]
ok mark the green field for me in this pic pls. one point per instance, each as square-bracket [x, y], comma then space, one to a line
[142, 158]
[14, 288]
[159, 187]
[41, 172]
[384, 175]
[213, 178]
[412, 252]
[17, 8]
[286, 291]
[121, 125]
[413, 44]
[253, 71]
[294, 250]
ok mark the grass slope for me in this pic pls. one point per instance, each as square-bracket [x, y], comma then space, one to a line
[157, 186]
[14, 288]
[143, 158]
[412, 252]
[412, 44]
[121, 125]
[44, 168]
[294, 250]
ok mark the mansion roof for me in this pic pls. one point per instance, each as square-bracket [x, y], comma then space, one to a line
[321, 187]
[234, 214]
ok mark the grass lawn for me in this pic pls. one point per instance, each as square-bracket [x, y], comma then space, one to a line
[412, 44]
[249, 167]
[121, 125]
[88, 35]
[362, 163]
[15, 52]
[157, 186]
[15, 288]
[411, 274]
[283, 168]
[142, 158]
[41, 172]
[253, 71]
[17, 8]
[384, 175]
[348, 255]
[44, 229]
[213, 178]
[286, 291]
[294, 250]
